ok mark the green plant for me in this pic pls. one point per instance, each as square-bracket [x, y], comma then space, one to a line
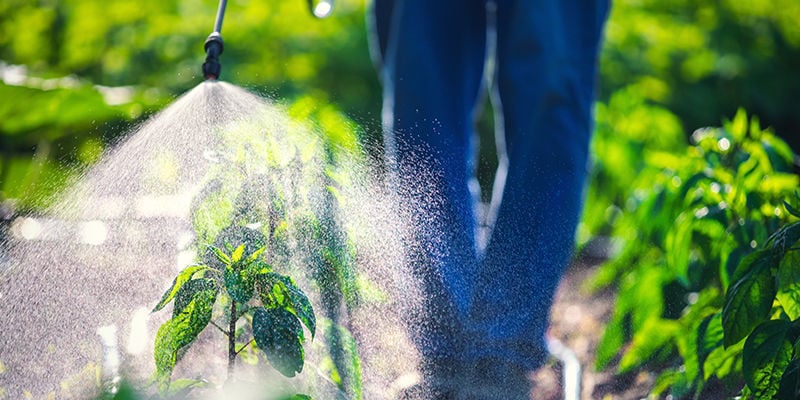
[762, 307]
[691, 218]
[244, 284]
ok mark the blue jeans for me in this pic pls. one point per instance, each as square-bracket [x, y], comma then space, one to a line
[493, 302]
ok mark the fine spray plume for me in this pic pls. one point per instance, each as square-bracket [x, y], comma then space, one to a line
[78, 281]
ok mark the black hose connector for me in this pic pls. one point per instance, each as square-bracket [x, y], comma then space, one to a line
[213, 47]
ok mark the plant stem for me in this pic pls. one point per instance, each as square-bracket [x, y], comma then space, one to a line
[232, 340]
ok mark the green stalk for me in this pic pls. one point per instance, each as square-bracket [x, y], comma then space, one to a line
[232, 340]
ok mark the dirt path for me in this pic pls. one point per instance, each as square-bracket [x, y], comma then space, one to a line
[577, 320]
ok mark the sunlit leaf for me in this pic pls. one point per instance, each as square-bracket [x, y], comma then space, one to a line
[180, 331]
[177, 283]
[789, 284]
[220, 255]
[765, 356]
[748, 301]
[654, 337]
[237, 254]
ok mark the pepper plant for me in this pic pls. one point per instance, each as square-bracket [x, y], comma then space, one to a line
[240, 280]
[689, 289]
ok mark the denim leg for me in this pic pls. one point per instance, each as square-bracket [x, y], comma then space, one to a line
[432, 74]
[546, 60]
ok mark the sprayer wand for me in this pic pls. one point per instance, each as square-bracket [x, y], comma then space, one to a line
[213, 46]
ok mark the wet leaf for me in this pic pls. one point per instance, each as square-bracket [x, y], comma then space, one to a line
[177, 283]
[220, 255]
[238, 285]
[189, 290]
[180, 331]
[300, 304]
[237, 254]
[277, 332]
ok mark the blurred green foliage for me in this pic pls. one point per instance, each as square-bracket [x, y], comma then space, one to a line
[703, 59]
[77, 73]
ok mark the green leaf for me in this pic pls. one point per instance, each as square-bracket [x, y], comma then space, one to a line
[790, 381]
[612, 340]
[782, 240]
[220, 255]
[791, 209]
[748, 301]
[277, 332]
[182, 278]
[709, 338]
[238, 285]
[301, 306]
[789, 284]
[256, 254]
[181, 387]
[237, 254]
[722, 362]
[766, 354]
[654, 336]
[346, 371]
[298, 397]
[189, 290]
[180, 331]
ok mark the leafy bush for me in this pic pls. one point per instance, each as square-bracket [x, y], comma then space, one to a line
[234, 278]
[267, 209]
[690, 222]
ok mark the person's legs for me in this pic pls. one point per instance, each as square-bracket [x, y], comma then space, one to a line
[546, 60]
[432, 73]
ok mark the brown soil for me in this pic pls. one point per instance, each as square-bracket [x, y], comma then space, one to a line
[577, 320]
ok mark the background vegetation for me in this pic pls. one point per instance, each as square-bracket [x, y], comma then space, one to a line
[76, 73]
[687, 207]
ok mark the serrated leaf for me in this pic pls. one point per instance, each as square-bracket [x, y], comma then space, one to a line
[177, 283]
[789, 284]
[180, 331]
[748, 302]
[277, 333]
[765, 356]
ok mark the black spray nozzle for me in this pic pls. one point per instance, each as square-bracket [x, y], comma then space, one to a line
[213, 47]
